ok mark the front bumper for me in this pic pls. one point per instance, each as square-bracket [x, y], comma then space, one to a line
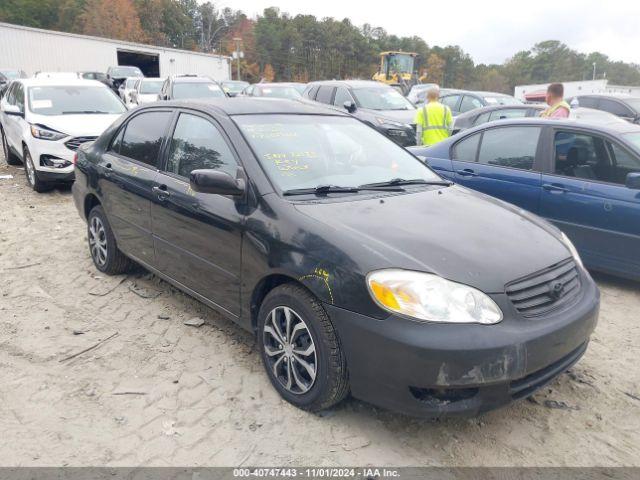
[46, 151]
[434, 370]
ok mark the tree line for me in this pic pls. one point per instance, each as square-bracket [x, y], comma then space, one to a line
[282, 47]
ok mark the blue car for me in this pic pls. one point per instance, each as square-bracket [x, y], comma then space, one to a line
[584, 178]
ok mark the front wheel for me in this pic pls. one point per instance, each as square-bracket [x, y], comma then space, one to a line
[300, 349]
[32, 175]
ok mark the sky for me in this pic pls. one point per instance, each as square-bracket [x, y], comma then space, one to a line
[489, 30]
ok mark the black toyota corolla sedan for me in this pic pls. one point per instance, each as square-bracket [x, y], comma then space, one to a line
[358, 268]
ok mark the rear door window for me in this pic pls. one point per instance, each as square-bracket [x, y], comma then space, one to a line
[513, 147]
[143, 137]
[588, 102]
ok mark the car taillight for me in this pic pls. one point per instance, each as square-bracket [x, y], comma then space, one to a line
[75, 159]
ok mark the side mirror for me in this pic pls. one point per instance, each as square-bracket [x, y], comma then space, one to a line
[349, 106]
[633, 180]
[216, 182]
[12, 110]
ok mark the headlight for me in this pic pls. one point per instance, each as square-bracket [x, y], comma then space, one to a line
[44, 133]
[572, 249]
[431, 298]
[391, 123]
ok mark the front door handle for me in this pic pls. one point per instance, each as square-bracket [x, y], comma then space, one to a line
[550, 187]
[467, 172]
[161, 192]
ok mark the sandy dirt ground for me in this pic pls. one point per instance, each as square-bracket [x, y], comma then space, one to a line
[157, 392]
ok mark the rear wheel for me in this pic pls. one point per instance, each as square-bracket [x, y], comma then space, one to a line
[9, 157]
[300, 349]
[105, 253]
[32, 174]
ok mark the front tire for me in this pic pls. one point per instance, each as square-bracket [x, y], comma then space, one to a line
[300, 349]
[105, 253]
[9, 157]
[32, 174]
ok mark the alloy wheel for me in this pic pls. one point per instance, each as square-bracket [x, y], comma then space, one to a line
[98, 241]
[290, 350]
[31, 171]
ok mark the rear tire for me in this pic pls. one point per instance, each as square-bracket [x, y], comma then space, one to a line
[9, 157]
[104, 251]
[32, 174]
[305, 361]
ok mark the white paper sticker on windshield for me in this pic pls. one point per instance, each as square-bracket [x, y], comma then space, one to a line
[38, 104]
[213, 88]
[491, 100]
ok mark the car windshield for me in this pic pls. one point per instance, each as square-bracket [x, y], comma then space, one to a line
[235, 87]
[633, 138]
[151, 86]
[376, 98]
[196, 90]
[120, 72]
[280, 92]
[307, 151]
[68, 100]
[501, 100]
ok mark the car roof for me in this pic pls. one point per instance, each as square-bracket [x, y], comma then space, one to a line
[450, 91]
[192, 79]
[613, 128]
[620, 96]
[352, 83]
[153, 79]
[274, 84]
[60, 82]
[257, 106]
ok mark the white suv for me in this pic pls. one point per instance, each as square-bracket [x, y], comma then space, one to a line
[44, 121]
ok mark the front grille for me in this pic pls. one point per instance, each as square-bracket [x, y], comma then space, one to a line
[75, 142]
[546, 290]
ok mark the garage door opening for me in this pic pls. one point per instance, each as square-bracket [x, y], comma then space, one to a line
[148, 63]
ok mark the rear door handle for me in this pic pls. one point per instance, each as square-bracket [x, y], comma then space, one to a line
[467, 172]
[549, 187]
[161, 192]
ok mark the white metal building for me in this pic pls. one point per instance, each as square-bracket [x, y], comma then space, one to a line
[571, 89]
[33, 50]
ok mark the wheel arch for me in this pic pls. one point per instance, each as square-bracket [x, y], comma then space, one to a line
[90, 201]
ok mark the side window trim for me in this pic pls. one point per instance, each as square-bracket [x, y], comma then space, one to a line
[162, 168]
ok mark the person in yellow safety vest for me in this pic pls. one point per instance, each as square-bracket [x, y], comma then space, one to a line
[558, 108]
[433, 120]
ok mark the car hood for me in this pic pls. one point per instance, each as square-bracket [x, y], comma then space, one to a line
[404, 116]
[453, 232]
[90, 125]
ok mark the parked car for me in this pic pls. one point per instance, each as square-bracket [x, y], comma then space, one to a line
[274, 90]
[482, 115]
[118, 74]
[462, 101]
[233, 87]
[146, 90]
[6, 75]
[356, 266]
[126, 89]
[181, 87]
[57, 75]
[43, 121]
[623, 106]
[99, 76]
[376, 104]
[418, 92]
[584, 178]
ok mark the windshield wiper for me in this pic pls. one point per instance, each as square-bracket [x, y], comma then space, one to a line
[402, 181]
[71, 112]
[324, 189]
